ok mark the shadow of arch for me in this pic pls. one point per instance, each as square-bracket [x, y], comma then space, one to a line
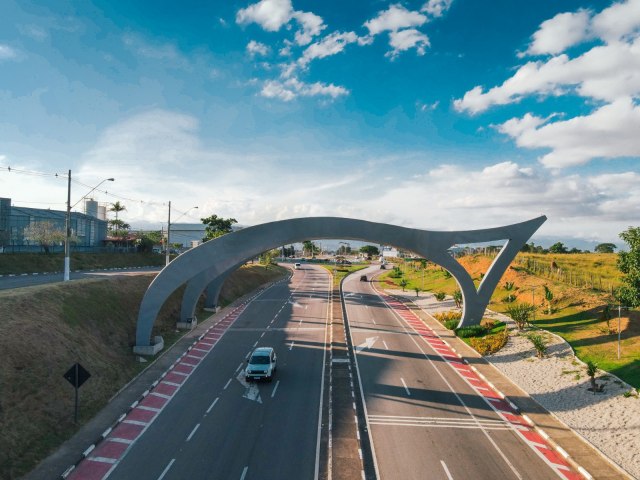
[213, 260]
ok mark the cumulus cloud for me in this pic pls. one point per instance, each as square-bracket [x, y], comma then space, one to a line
[609, 132]
[256, 48]
[407, 39]
[330, 45]
[311, 26]
[292, 88]
[437, 8]
[269, 14]
[396, 17]
[607, 72]
[559, 33]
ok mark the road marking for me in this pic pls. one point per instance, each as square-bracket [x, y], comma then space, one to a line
[240, 366]
[164, 472]
[192, 432]
[244, 473]
[385, 345]
[212, 405]
[405, 386]
[228, 382]
[291, 345]
[446, 470]
[368, 343]
[275, 388]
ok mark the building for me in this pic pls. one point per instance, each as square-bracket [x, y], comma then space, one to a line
[88, 231]
[187, 234]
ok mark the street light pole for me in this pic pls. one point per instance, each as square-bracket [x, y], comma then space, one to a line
[168, 248]
[67, 241]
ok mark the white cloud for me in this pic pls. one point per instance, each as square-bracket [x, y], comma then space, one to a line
[312, 25]
[396, 17]
[33, 31]
[256, 48]
[609, 132]
[618, 21]
[7, 52]
[407, 39]
[269, 14]
[437, 8]
[165, 52]
[293, 88]
[559, 33]
[330, 45]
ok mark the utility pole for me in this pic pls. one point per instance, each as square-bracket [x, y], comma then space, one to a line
[168, 235]
[67, 240]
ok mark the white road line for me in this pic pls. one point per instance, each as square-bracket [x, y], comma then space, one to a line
[244, 473]
[405, 386]
[192, 432]
[240, 366]
[373, 320]
[228, 382]
[212, 405]
[291, 345]
[385, 344]
[446, 470]
[164, 472]
[275, 388]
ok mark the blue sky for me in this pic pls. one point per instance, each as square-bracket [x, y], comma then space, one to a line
[435, 114]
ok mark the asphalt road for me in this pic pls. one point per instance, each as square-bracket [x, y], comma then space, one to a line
[18, 281]
[425, 420]
[218, 427]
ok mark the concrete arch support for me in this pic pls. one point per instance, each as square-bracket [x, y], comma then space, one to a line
[211, 262]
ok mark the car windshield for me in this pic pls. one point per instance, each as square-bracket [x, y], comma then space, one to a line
[260, 360]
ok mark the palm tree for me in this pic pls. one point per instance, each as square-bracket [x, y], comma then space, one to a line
[548, 296]
[116, 207]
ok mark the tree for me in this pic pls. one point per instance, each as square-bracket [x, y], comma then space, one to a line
[44, 234]
[146, 240]
[558, 247]
[370, 250]
[117, 208]
[629, 264]
[217, 226]
[457, 298]
[605, 316]
[605, 248]
[403, 283]
[309, 248]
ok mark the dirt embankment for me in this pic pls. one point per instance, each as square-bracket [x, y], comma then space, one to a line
[44, 330]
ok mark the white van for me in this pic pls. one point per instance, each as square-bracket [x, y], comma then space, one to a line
[297, 266]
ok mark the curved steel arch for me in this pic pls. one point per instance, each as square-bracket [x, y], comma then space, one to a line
[216, 258]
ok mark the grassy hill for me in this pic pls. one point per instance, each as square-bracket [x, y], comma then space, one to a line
[580, 291]
[46, 329]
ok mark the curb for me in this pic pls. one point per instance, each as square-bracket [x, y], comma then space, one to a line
[33, 274]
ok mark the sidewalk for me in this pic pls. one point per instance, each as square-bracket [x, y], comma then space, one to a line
[70, 452]
[538, 387]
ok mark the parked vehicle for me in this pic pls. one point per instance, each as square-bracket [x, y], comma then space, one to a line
[363, 278]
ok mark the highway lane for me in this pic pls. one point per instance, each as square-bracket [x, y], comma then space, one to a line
[217, 427]
[425, 420]
[27, 280]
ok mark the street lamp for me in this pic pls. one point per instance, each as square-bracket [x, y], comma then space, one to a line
[67, 241]
[168, 249]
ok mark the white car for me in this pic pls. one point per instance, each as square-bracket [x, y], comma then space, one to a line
[297, 266]
[261, 364]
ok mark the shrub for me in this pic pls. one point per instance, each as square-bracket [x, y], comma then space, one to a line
[509, 298]
[440, 296]
[508, 286]
[447, 274]
[450, 315]
[457, 297]
[471, 331]
[539, 343]
[451, 324]
[489, 343]
[520, 313]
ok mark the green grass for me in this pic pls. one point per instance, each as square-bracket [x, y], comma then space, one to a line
[342, 271]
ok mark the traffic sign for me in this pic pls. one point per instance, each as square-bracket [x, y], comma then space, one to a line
[77, 375]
